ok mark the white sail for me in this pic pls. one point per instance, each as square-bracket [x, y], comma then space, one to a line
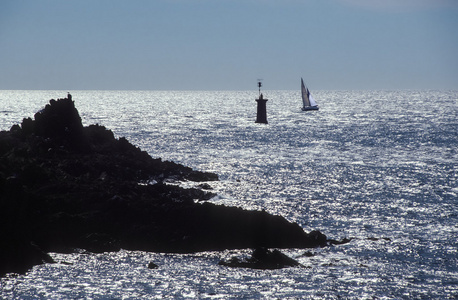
[312, 100]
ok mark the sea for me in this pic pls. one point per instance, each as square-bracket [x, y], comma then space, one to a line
[378, 167]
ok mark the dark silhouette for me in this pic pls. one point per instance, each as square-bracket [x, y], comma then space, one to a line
[261, 116]
[262, 258]
[64, 186]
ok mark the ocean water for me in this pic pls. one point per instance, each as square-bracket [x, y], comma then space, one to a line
[379, 167]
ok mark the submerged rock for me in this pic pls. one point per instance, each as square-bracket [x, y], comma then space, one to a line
[343, 241]
[66, 186]
[152, 265]
[262, 258]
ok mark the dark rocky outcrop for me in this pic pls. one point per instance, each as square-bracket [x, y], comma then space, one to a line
[262, 258]
[65, 186]
[17, 255]
[152, 265]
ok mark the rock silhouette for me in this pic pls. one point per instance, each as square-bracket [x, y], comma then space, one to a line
[64, 186]
[262, 258]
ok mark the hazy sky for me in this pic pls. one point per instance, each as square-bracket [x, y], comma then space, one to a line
[228, 44]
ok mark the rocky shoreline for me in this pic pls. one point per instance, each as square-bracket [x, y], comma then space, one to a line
[64, 186]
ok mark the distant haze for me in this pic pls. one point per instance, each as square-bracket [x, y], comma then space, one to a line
[228, 44]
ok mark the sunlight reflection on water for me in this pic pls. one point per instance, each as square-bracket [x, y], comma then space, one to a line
[379, 167]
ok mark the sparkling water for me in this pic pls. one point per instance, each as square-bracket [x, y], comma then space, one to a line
[379, 167]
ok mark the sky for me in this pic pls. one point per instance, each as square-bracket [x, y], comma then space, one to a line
[228, 44]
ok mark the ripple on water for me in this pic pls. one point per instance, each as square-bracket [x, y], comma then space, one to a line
[381, 172]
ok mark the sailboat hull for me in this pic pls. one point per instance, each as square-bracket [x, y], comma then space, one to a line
[306, 108]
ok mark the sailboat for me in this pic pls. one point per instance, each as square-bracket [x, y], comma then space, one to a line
[307, 99]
